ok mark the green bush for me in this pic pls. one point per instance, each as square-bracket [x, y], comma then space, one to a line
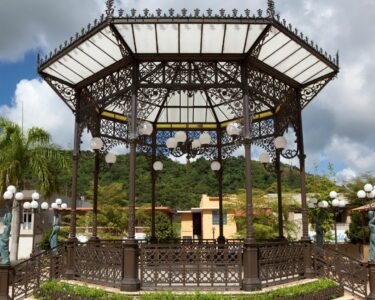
[52, 289]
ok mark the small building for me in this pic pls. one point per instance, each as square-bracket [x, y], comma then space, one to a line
[203, 222]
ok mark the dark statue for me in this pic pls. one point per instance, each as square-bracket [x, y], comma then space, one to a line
[371, 225]
[4, 239]
[55, 232]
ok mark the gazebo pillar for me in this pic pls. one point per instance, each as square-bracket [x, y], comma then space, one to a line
[309, 272]
[251, 279]
[279, 195]
[94, 236]
[221, 238]
[69, 272]
[153, 238]
[130, 281]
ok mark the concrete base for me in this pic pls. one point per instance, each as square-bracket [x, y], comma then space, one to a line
[4, 282]
[221, 239]
[251, 284]
[69, 270]
[130, 285]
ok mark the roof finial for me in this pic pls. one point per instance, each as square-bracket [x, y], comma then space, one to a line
[110, 8]
[271, 8]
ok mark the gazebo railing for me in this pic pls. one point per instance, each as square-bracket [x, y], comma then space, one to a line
[191, 265]
[350, 273]
[281, 262]
[99, 262]
[29, 274]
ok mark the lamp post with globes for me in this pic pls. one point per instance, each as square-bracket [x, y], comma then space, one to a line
[216, 167]
[57, 207]
[96, 145]
[157, 167]
[10, 193]
[251, 280]
[369, 193]
[280, 143]
[337, 207]
[33, 206]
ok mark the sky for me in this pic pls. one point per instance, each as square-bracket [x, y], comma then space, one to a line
[338, 124]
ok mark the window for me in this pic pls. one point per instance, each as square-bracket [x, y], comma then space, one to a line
[27, 217]
[215, 217]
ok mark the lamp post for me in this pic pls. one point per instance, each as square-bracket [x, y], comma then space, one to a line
[57, 206]
[336, 206]
[313, 205]
[10, 193]
[216, 167]
[96, 145]
[280, 144]
[157, 167]
[33, 206]
[369, 193]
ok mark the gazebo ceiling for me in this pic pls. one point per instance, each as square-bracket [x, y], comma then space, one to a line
[193, 47]
[157, 39]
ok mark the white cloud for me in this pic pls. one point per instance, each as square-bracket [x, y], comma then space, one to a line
[345, 175]
[41, 108]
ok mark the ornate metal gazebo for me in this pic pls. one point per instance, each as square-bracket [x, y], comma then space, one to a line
[193, 72]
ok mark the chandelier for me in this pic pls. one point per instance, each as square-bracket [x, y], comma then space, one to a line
[180, 144]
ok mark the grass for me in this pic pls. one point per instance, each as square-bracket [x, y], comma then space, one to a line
[51, 289]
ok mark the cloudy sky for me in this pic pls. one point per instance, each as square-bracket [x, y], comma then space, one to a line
[338, 124]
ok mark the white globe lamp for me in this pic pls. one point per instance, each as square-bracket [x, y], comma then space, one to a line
[368, 187]
[64, 206]
[110, 158]
[171, 143]
[12, 189]
[333, 195]
[215, 166]
[361, 194]
[145, 128]
[158, 166]
[205, 138]
[8, 195]
[27, 205]
[34, 204]
[44, 206]
[195, 144]
[280, 142]
[264, 158]
[19, 196]
[96, 143]
[180, 136]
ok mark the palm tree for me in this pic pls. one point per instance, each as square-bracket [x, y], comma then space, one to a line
[29, 157]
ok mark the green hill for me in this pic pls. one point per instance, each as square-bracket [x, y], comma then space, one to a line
[180, 186]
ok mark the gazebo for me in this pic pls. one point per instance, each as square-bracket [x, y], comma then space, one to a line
[200, 83]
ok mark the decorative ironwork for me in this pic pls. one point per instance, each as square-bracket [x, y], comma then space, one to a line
[99, 262]
[281, 262]
[67, 93]
[191, 265]
[31, 273]
[310, 91]
[350, 273]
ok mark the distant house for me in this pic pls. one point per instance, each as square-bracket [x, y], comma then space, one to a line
[203, 222]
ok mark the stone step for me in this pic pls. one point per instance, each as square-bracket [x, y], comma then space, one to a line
[346, 297]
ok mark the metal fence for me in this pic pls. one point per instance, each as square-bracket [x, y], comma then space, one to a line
[281, 262]
[194, 265]
[99, 262]
[350, 273]
[29, 274]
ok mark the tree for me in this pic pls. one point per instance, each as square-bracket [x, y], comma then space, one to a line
[265, 225]
[29, 157]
